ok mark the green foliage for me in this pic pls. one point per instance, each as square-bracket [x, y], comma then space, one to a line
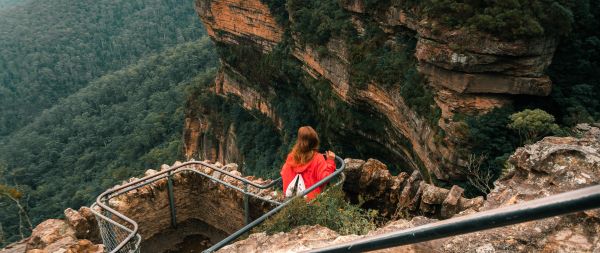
[118, 126]
[51, 49]
[329, 210]
[391, 64]
[510, 19]
[574, 69]
[533, 124]
[488, 136]
[317, 21]
[278, 9]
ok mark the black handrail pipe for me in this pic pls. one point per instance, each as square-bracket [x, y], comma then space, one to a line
[560, 204]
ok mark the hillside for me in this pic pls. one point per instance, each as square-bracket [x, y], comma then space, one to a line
[112, 129]
[51, 49]
[91, 92]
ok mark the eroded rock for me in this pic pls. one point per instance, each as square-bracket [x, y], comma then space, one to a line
[372, 183]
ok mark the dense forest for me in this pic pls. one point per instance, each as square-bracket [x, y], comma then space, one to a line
[50, 49]
[91, 93]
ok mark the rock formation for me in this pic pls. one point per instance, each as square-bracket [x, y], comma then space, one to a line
[550, 166]
[402, 195]
[469, 72]
[236, 22]
[78, 232]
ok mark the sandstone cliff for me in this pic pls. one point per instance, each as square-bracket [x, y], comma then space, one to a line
[551, 166]
[469, 73]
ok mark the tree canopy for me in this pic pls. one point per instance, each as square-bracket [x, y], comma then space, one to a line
[91, 93]
[51, 49]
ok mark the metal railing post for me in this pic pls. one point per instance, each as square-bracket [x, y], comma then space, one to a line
[246, 205]
[171, 200]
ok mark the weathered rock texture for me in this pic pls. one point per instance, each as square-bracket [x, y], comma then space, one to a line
[206, 138]
[237, 22]
[77, 233]
[469, 72]
[402, 195]
[551, 166]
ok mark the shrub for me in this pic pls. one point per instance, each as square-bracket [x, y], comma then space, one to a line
[533, 124]
[329, 210]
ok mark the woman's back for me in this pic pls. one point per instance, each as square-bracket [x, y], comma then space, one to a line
[311, 172]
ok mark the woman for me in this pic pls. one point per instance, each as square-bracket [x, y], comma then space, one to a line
[304, 166]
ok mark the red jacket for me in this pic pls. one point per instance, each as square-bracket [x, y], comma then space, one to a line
[312, 172]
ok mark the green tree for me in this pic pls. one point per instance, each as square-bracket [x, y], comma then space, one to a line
[533, 124]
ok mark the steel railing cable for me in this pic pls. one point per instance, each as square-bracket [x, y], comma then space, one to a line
[120, 233]
[560, 204]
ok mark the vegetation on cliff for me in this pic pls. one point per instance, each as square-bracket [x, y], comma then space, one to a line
[279, 77]
[330, 210]
[574, 98]
[514, 19]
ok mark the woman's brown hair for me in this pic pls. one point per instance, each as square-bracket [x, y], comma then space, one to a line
[306, 144]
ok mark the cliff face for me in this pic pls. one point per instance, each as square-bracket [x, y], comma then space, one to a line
[238, 22]
[551, 166]
[468, 73]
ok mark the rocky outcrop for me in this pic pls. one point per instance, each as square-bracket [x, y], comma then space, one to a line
[471, 62]
[403, 195]
[77, 233]
[226, 84]
[208, 210]
[333, 66]
[240, 21]
[551, 166]
[209, 139]
[468, 61]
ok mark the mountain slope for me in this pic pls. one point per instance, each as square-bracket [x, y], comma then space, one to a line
[51, 49]
[121, 124]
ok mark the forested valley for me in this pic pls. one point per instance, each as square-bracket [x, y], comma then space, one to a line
[91, 93]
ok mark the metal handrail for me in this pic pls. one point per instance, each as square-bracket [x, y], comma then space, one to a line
[103, 198]
[560, 204]
[256, 222]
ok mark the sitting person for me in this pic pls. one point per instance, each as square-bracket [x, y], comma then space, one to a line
[305, 166]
